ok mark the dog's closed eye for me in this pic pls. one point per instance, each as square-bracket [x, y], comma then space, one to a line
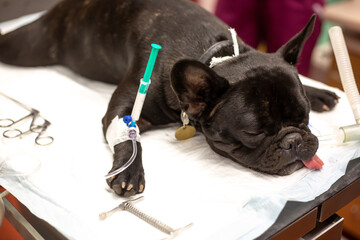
[250, 133]
[252, 139]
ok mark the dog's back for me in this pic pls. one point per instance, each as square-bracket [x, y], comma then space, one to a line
[102, 39]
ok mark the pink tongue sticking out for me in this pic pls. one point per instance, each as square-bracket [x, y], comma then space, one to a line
[314, 162]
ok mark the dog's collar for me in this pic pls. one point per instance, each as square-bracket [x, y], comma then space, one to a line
[219, 52]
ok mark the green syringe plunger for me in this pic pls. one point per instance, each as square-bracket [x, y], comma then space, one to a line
[150, 65]
[145, 81]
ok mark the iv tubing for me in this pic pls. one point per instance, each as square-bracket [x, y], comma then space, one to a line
[132, 135]
[345, 70]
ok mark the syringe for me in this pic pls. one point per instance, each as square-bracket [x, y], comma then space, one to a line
[144, 83]
[343, 134]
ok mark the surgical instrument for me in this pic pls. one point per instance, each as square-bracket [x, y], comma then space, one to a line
[34, 115]
[128, 206]
[39, 129]
[7, 122]
[17, 102]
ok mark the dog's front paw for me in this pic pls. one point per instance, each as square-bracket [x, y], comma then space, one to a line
[320, 99]
[131, 181]
[128, 183]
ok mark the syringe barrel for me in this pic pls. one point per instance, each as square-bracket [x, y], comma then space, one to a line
[138, 105]
[351, 133]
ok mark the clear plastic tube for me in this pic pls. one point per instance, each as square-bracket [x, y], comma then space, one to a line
[132, 135]
[345, 70]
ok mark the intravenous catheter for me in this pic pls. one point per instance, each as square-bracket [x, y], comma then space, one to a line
[130, 121]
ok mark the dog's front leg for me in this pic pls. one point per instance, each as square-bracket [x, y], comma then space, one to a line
[131, 181]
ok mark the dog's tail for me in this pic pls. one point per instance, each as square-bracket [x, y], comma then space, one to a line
[27, 46]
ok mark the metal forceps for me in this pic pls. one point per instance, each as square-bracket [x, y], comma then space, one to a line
[34, 115]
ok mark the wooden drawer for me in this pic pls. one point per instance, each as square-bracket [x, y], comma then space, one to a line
[339, 200]
[298, 228]
[331, 229]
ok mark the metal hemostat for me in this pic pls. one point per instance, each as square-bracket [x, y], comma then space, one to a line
[128, 206]
[36, 128]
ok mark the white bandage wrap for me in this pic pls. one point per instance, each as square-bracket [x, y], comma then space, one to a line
[118, 132]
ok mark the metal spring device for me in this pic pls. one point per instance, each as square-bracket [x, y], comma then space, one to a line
[129, 206]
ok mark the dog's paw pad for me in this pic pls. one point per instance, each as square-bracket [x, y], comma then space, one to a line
[128, 183]
[141, 188]
[322, 100]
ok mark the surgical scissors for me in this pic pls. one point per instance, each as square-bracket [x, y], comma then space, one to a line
[34, 114]
[39, 129]
[7, 122]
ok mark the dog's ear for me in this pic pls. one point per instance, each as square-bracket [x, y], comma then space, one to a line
[292, 49]
[196, 86]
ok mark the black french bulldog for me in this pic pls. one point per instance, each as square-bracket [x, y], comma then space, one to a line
[251, 108]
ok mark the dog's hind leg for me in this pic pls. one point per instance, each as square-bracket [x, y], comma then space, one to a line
[30, 45]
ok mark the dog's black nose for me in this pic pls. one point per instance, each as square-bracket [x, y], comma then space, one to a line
[291, 141]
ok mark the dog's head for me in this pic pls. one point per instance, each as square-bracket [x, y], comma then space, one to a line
[251, 108]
